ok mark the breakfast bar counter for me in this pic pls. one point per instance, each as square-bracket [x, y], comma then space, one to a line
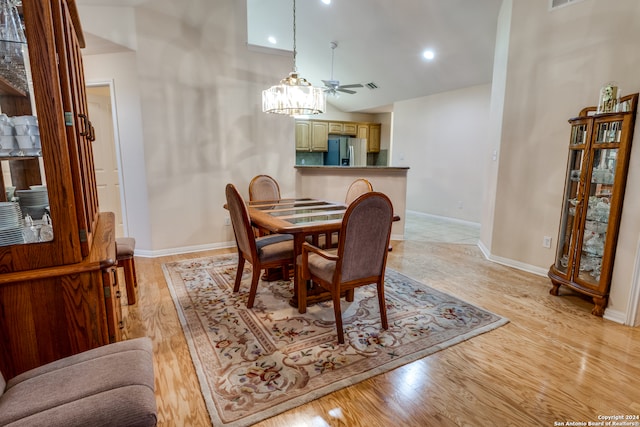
[331, 183]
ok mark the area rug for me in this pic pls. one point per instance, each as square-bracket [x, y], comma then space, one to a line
[254, 364]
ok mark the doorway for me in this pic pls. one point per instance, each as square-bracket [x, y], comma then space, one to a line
[106, 153]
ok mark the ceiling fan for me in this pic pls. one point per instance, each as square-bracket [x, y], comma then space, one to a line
[332, 87]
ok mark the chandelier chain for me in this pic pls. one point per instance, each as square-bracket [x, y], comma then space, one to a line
[294, 37]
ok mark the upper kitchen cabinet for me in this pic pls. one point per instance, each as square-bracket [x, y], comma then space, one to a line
[373, 142]
[343, 128]
[303, 135]
[47, 160]
[312, 135]
[319, 136]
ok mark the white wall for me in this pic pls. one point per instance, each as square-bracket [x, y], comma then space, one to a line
[443, 138]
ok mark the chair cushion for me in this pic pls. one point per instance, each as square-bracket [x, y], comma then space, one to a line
[111, 385]
[274, 247]
[125, 246]
[322, 267]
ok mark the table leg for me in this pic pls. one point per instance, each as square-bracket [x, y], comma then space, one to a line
[299, 294]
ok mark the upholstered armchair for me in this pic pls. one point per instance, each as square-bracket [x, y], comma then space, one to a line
[274, 250]
[360, 258]
[112, 385]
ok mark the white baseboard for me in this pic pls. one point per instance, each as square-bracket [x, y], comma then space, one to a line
[609, 314]
[184, 250]
[446, 218]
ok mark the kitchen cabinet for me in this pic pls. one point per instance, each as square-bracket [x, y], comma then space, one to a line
[57, 297]
[312, 135]
[336, 128]
[349, 129]
[373, 142]
[319, 136]
[343, 128]
[363, 131]
[303, 135]
[599, 149]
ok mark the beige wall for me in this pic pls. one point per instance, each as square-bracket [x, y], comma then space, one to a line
[332, 184]
[120, 69]
[444, 139]
[557, 62]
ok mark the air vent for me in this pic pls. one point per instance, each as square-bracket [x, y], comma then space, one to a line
[555, 4]
[371, 85]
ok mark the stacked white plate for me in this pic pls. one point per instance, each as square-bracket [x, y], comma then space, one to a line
[10, 224]
[33, 202]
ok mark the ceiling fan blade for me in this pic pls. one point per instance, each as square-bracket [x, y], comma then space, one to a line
[331, 83]
[340, 89]
[350, 86]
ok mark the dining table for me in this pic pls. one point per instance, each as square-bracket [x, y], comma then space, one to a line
[301, 218]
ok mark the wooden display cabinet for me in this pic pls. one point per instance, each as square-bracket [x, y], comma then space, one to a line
[599, 149]
[58, 297]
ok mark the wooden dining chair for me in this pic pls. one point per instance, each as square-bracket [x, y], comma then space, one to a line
[274, 250]
[357, 188]
[360, 258]
[263, 187]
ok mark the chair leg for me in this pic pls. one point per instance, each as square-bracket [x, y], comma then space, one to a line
[239, 270]
[350, 295]
[383, 305]
[255, 278]
[335, 293]
[129, 279]
[302, 290]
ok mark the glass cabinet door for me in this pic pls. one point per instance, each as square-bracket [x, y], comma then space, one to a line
[571, 210]
[600, 184]
[573, 204]
[24, 203]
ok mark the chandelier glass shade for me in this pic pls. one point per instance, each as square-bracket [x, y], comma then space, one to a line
[294, 96]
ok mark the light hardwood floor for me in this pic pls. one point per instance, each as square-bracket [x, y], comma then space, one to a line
[553, 363]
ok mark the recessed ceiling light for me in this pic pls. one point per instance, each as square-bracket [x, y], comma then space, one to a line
[326, 1]
[272, 40]
[428, 54]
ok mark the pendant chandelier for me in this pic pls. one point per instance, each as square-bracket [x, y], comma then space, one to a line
[294, 95]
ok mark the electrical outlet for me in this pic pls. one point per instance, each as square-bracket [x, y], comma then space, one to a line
[227, 221]
[546, 242]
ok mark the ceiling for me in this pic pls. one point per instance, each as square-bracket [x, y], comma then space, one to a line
[379, 41]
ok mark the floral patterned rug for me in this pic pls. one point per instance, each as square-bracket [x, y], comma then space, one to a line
[254, 364]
